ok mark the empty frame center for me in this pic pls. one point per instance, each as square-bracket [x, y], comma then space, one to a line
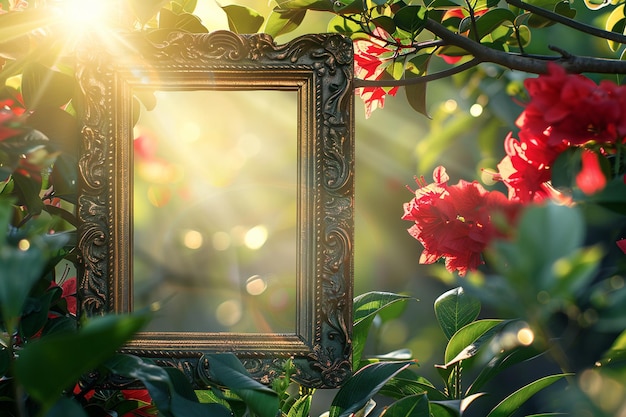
[215, 211]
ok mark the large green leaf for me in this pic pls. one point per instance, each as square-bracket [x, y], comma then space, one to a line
[43, 87]
[513, 402]
[366, 307]
[466, 342]
[411, 18]
[410, 406]
[407, 383]
[362, 386]
[67, 407]
[281, 21]
[501, 361]
[242, 19]
[19, 271]
[226, 369]
[170, 390]
[490, 21]
[455, 309]
[49, 365]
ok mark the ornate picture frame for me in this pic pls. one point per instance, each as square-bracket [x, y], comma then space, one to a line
[319, 68]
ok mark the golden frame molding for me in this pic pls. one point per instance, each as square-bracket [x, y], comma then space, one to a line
[319, 68]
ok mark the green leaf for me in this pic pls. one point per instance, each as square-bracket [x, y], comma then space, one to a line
[410, 406]
[47, 366]
[27, 191]
[228, 370]
[513, 402]
[596, 4]
[616, 22]
[454, 309]
[321, 5]
[344, 26]
[502, 361]
[168, 387]
[490, 21]
[43, 87]
[60, 127]
[243, 19]
[19, 271]
[67, 407]
[407, 383]
[180, 6]
[467, 341]
[617, 352]
[411, 19]
[366, 307]
[301, 407]
[386, 23]
[440, 410]
[184, 21]
[35, 320]
[282, 21]
[564, 8]
[458, 407]
[362, 386]
[144, 10]
[416, 96]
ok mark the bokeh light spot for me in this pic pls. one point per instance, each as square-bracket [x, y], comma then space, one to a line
[525, 336]
[476, 110]
[192, 239]
[256, 237]
[23, 245]
[256, 285]
[229, 313]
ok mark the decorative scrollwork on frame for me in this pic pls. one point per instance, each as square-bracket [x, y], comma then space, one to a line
[319, 67]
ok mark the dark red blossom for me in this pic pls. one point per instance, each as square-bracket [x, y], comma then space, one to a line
[455, 222]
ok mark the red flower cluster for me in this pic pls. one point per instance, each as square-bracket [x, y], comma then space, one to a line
[455, 222]
[564, 111]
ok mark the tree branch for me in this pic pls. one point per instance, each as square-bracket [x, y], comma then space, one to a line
[526, 63]
[555, 17]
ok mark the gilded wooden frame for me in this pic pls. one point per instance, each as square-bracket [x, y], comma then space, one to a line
[319, 68]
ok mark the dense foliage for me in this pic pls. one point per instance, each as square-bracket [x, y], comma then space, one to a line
[539, 243]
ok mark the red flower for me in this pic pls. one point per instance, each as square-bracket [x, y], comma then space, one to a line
[7, 117]
[526, 168]
[371, 57]
[622, 244]
[590, 179]
[455, 222]
[69, 294]
[572, 109]
[143, 397]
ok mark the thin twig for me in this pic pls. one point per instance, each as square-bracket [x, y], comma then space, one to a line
[417, 80]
